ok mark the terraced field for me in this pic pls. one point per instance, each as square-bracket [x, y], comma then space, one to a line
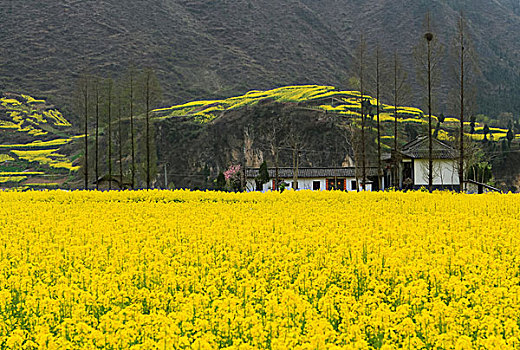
[328, 99]
[36, 144]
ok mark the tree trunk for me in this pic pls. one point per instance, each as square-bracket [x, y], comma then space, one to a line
[277, 179]
[430, 138]
[379, 166]
[296, 162]
[85, 96]
[97, 136]
[110, 134]
[147, 87]
[396, 116]
[362, 92]
[243, 174]
[120, 142]
[132, 132]
[461, 153]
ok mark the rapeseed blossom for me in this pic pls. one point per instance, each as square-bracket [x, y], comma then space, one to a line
[297, 270]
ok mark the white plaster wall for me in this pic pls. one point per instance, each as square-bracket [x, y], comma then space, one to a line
[303, 184]
[444, 172]
[350, 187]
[307, 184]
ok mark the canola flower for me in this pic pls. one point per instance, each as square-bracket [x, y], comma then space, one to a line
[205, 111]
[5, 158]
[491, 136]
[34, 118]
[46, 156]
[31, 99]
[444, 136]
[15, 179]
[40, 144]
[297, 270]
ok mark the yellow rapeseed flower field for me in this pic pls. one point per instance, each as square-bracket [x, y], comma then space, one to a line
[297, 270]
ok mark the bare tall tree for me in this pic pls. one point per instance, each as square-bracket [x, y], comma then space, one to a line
[295, 141]
[109, 114]
[466, 69]
[361, 67]
[147, 136]
[352, 132]
[400, 91]
[152, 93]
[429, 37]
[96, 91]
[84, 91]
[275, 136]
[378, 96]
[428, 54]
[120, 137]
[461, 86]
[243, 167]
[275, 152]
[131, 98]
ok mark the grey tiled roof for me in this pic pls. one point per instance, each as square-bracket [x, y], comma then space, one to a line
[313, 172]
[418, 149]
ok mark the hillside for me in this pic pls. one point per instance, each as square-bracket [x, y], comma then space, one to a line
[325, 99]
[37, 146]
[214, 49]
[198, 139]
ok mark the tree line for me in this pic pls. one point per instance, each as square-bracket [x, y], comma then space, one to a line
[117, 124]
[120, 110]
[376, 74]
[385, 77]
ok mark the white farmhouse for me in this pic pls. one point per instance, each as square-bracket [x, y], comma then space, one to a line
[315, 179]
[408, 168]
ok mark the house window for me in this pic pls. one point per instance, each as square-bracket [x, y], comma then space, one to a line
[354, 185]
[316, 185]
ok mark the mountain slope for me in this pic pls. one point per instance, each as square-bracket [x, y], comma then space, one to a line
[207, 48]
[197, 140]
[36, 145]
